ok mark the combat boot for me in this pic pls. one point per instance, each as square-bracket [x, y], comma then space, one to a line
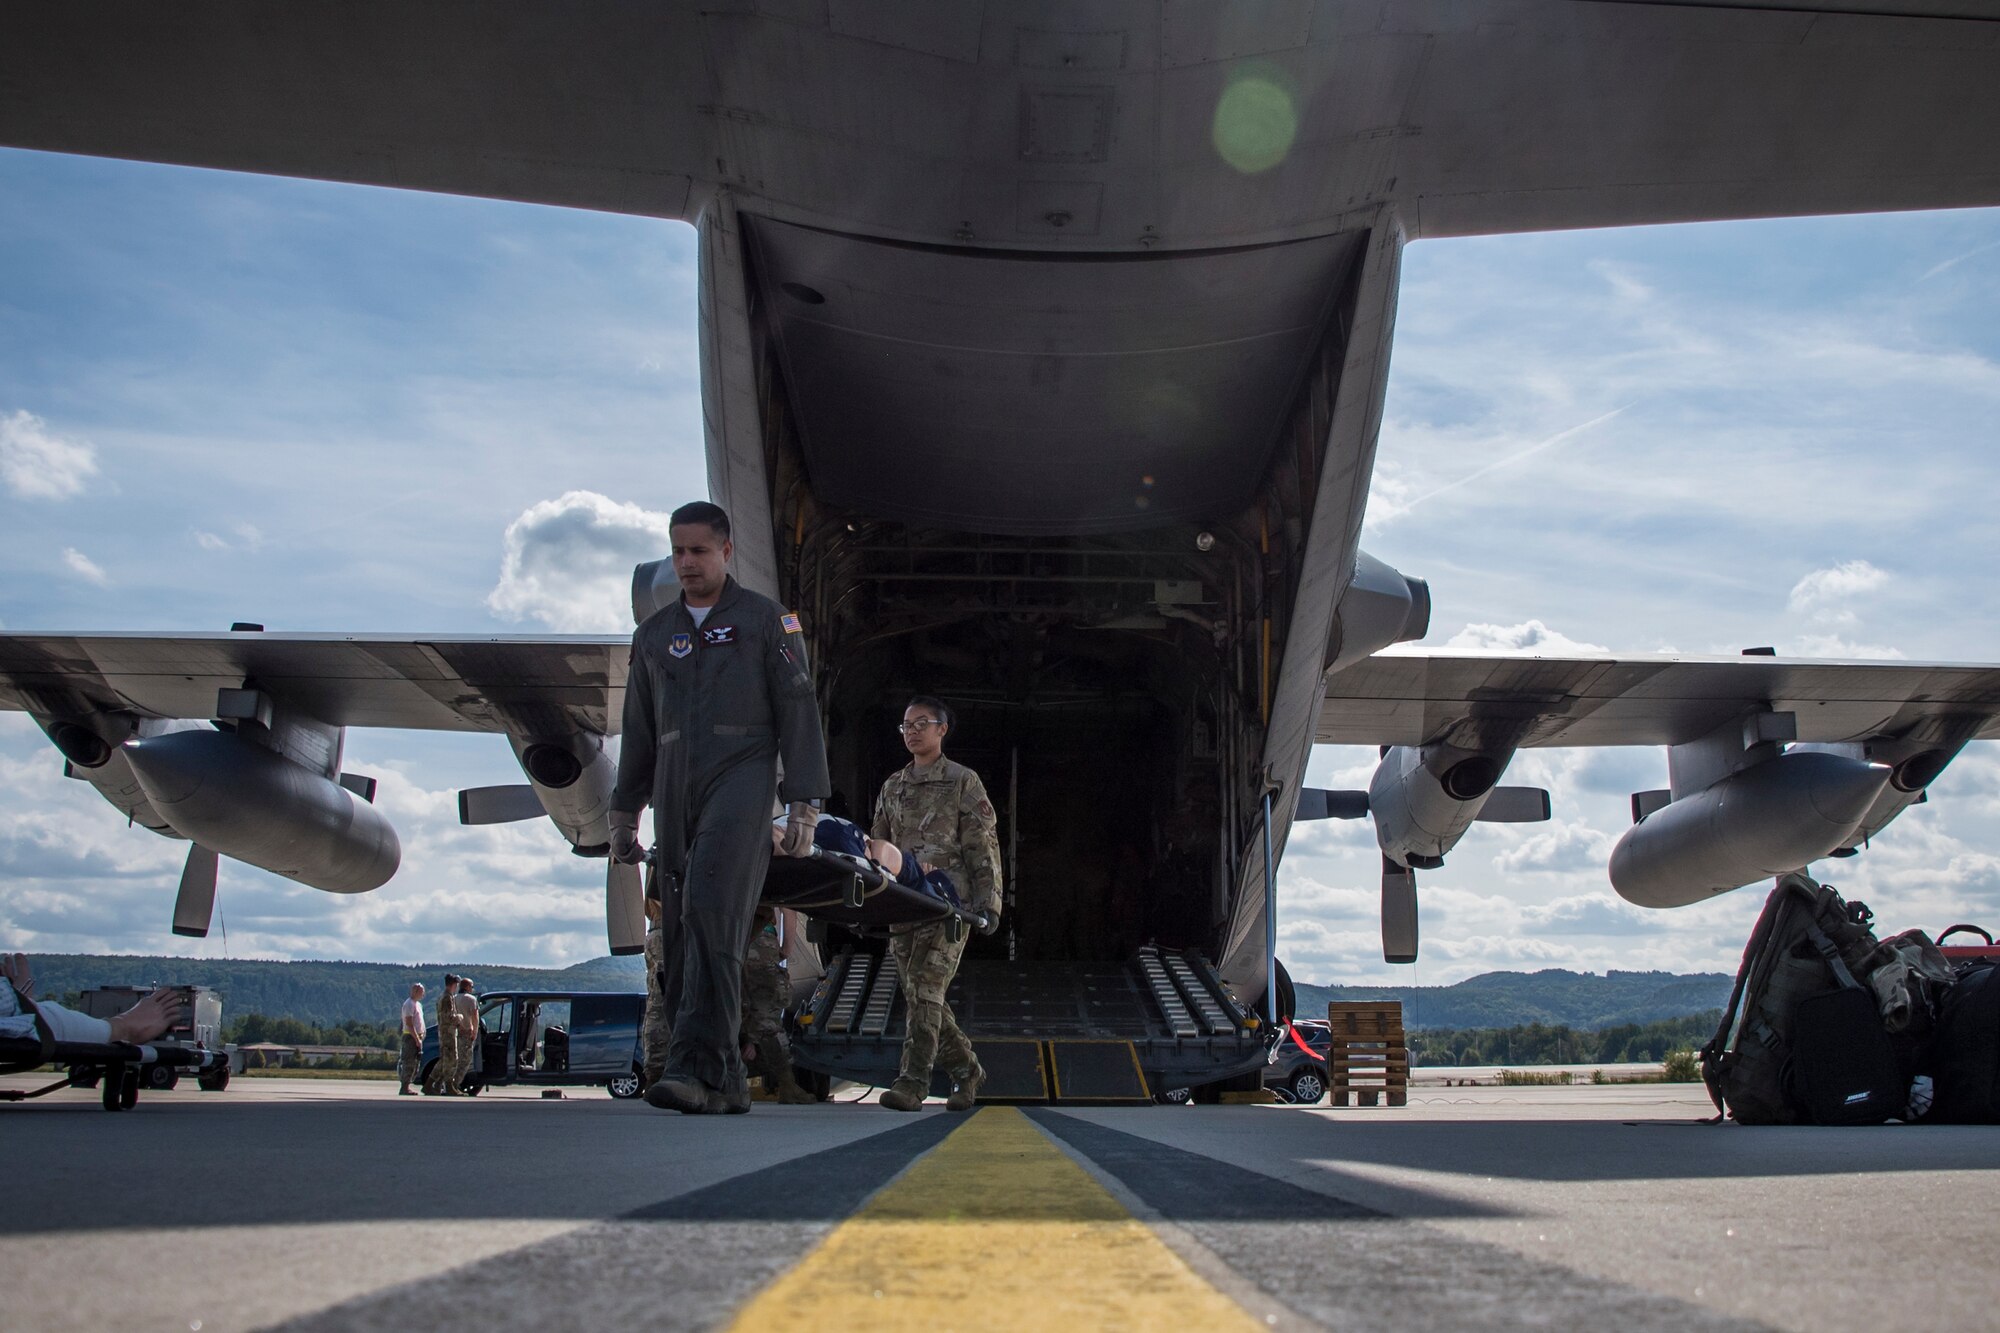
[779, 1081]
[967, 1090]
[904, 1095]
[735, 1100]
[681, 1092]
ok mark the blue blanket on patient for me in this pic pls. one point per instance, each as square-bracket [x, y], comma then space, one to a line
[834, 834]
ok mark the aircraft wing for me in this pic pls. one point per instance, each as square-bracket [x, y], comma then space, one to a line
[1066, 127]
[1415, 698]
[527, 684]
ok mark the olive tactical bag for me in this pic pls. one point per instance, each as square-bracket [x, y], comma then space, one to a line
[1802, 1040]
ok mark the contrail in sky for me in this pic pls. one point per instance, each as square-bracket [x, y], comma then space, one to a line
[1936, 269]
[1514, 458]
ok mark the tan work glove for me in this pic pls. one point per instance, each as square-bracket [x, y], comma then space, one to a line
[800, 820]
[625, 848]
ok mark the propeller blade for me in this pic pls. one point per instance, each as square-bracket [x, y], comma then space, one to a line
[1399, 913]
[1319, 803]
[625, 907]
[195, 903]
[499, 805]
[1515, 805]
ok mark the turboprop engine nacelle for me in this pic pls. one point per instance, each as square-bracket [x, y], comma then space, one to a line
[1913, 765]
[241, 800]
[569, 779]
[1424, 798]
[572, 778]
[1380, 607]
[94, 752]
[1773, 817]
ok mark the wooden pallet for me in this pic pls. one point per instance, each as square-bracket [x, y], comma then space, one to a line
[1369, 1057]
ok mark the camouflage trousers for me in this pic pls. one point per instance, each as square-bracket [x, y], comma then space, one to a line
[764, 1002]
[409, 1061]
[461, 1064]
[440, 1077]
[926, 961]
[763, 1007]
[654, 1034]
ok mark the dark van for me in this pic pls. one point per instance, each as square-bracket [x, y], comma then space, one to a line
[554, 1039]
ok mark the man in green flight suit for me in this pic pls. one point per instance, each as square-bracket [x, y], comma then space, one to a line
[718, 693]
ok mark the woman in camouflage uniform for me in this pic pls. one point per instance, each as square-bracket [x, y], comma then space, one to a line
[936, 812]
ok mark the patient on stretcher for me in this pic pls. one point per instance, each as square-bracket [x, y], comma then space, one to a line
[152, 1017]
[834, 834]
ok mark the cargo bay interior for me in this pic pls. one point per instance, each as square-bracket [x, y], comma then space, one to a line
[1109, 647]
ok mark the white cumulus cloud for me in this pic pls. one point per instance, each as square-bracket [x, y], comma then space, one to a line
[1838, 583]
[37, 465]
[568, 562]
[84, 567]
[1530, 636]
[1833, 645]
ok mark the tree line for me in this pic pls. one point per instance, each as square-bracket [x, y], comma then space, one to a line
[1545, 1044]
[251, 1029]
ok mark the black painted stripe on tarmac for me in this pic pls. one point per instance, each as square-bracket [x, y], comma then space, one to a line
[686, 1262]
[1345, 1266]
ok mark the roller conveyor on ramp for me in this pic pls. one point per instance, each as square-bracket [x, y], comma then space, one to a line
[1063, 1032]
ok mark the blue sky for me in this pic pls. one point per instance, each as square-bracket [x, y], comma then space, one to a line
[333, 408]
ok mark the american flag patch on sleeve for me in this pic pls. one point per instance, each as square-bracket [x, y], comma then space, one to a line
[791, 624]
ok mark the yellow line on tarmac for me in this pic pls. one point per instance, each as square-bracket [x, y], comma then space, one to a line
[995, 1229]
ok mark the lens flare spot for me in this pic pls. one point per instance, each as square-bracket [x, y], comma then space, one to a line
[1255, 123]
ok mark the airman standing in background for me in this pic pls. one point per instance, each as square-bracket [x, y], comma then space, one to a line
[465, 1011]
[409, 1061]
[654, 1034]
[439, 1083]
[765, 987]
[937, 812]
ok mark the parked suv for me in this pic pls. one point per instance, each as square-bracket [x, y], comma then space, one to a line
[1297, 1067]
[554, 1039]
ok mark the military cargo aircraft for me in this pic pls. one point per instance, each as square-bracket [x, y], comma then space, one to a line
[1043, 352]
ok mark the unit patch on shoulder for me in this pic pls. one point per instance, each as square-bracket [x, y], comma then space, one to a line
[719, 634]
[682, 645]
[791, 623]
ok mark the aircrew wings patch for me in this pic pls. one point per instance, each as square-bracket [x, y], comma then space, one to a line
[791, 623]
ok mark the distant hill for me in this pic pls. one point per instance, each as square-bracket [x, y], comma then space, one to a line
[320, 992]
[339, 992]
[1552, 996]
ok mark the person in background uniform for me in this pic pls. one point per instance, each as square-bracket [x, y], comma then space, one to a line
[465, 1012]
[409, 1062]
[936, 812]
[653, 1033]
[717, 694]
[765, 986]
[439, 1084]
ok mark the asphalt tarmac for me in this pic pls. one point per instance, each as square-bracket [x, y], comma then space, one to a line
[332, 1205]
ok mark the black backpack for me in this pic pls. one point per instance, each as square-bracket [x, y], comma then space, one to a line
[1965, 1049]
[1802, 1038]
